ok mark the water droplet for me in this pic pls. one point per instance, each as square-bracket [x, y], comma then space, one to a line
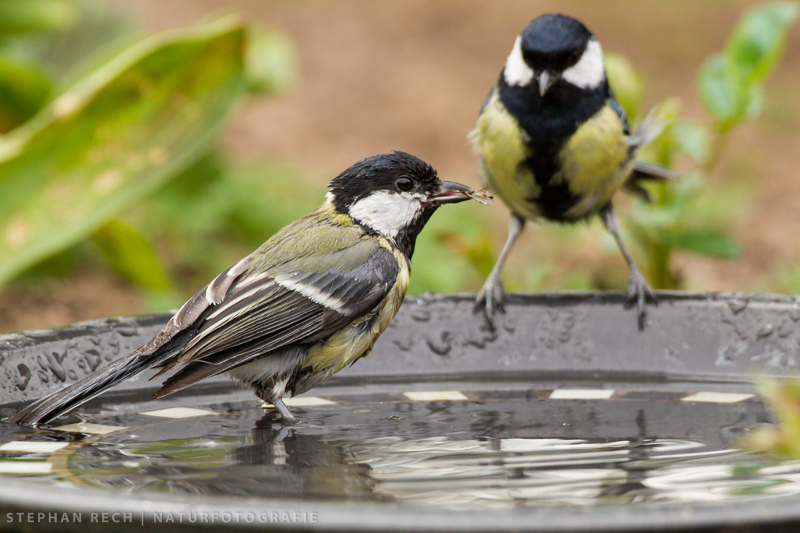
[54, 363]
[794, 314]
[785, 330]
[22, 377]
[395, 417]
[737, 306]
[765, 331]
[111, 350]
[404, 345]
[92, 358]
[727, 354]
[441, 345]
[481, 341]
[420, 315]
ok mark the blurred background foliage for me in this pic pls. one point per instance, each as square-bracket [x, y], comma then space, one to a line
[115, 162]
[97, 122]
[781, 440]
[688, 214]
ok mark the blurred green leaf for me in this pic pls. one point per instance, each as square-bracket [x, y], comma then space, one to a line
[755, 102]
[237, 207]
[478, 252]
[436, 267]
[249, 202]
[271, 63]
[23, 92]
[102, 32]
[782, 439]
[704, 242]
[186, 204]
[785, 278]
[721, 97]
[654, 216]
[131, 255]
[266, 198]
[692, 139]
[36, 15]
[689, 186]
[115, 137]
[627, 85]
[759, 39]
[729, 82]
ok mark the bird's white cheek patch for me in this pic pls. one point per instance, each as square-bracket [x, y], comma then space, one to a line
[517, 72]
[588, 73]
[387, 212]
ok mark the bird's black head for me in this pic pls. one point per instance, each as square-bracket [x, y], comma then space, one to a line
[554, 48]
[393, 194]
[554, 42]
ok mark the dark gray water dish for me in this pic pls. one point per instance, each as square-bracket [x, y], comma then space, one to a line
[564, 418]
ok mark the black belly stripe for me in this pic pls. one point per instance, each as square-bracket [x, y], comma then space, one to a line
[549, 123]
[555, 200]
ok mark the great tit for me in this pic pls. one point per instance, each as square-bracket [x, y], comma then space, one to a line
[555, 144]
[311, 300]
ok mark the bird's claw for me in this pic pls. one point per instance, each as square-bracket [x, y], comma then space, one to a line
[287, 418]
[490, 300]
[639, 294]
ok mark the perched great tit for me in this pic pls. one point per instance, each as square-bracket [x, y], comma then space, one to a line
[555, 144]
[311, 300]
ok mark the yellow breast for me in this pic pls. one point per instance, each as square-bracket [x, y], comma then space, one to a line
[595, 162]
[498, 140]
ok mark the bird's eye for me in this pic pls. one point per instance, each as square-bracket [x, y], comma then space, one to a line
[404, 184]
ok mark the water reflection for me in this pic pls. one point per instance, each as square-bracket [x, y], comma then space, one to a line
[272, 461]
[447, 471]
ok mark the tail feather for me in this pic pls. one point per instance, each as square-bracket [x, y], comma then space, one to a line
[650, 128]
[647, 172]
[50, 407]
[651, 172]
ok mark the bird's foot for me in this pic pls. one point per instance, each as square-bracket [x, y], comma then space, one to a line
[490, 299]
[275, 403]
[287, 416]
[639, 294]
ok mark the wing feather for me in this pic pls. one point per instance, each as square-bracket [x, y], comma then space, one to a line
[265, 313]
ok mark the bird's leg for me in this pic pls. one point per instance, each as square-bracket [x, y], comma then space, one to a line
[639, 291]
[490, 297]
[286, 415]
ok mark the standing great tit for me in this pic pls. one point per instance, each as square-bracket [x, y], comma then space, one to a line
[311, 300]
[555, 144]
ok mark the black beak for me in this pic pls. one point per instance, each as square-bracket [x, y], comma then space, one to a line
[449, 193]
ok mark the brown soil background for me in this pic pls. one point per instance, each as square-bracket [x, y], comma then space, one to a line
[377, 76]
